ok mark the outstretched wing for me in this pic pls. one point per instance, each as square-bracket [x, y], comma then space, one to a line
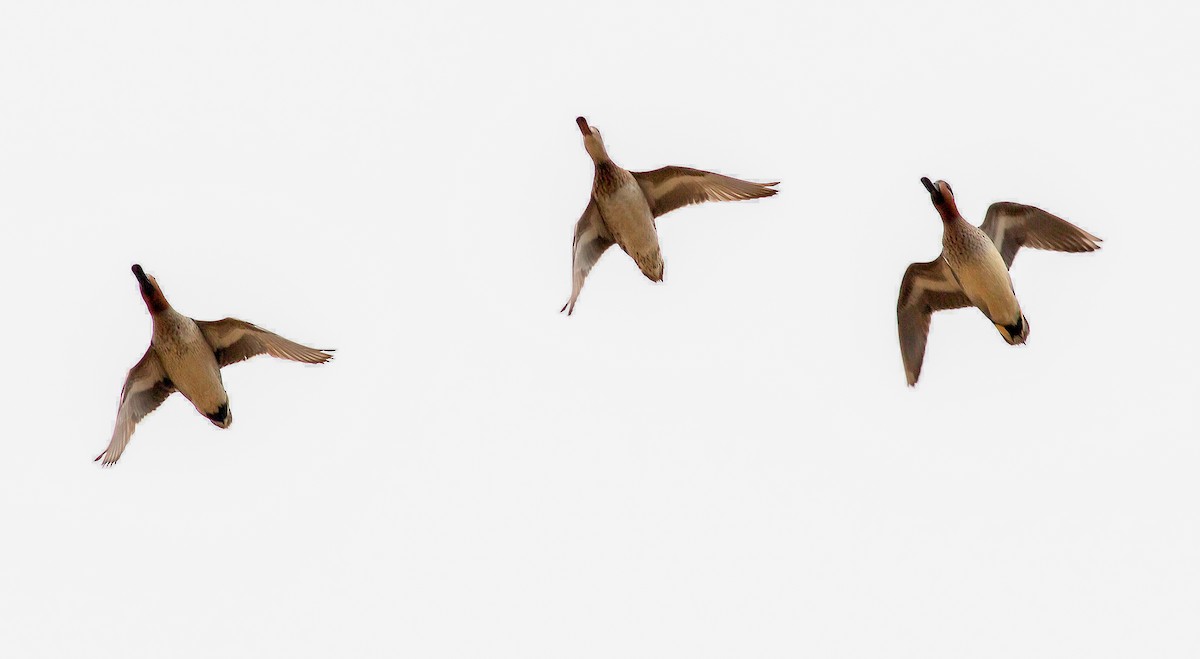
[234, 340]
[669, 188]
[926, 288]
[591, 240]
[146, 387]
[1013, 226]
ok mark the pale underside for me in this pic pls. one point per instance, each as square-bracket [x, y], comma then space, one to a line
[189, 363]
[626, 216]
[982, 275]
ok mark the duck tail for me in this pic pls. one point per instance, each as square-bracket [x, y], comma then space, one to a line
[1016, 333]
[222, 417]
[651, 265]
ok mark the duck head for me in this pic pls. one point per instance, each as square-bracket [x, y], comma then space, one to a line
[592, 141]
[152, 295]
[942, 197]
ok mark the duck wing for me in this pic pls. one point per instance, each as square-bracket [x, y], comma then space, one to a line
[591, 240]
[146, 387]
[669, 188]
[234, 340]
[926, 288]
[1013, 226]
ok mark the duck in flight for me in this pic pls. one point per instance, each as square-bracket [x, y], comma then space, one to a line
[187, 356]
[972, 270]
[623, 206]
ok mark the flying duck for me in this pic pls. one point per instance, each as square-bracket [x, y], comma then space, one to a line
[972, 270]
[187, 356]
[624, 205]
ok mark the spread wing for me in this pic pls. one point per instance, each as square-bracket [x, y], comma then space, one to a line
[591, 240]
[669, 188]
[234, 340]
[146, 387]
[1013, 226]
[926, 288]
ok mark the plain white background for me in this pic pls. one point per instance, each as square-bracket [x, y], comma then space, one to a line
[727, 464]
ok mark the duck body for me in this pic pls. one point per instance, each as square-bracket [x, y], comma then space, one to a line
[191, 365]
[627, 217]
[980, 271]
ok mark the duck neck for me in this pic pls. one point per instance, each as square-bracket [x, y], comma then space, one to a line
[949, 212]
[156, 302]
[595, 149]
[609, 178]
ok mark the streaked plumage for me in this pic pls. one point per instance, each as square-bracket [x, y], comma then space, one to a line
[624, 205]
[187, 356]
[973, 269]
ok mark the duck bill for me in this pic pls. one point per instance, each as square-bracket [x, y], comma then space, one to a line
[583, 126]
[934, 192]
[147, 286]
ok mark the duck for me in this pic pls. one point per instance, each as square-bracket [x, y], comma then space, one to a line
[973, 269]
[187, 356]
[623, 206]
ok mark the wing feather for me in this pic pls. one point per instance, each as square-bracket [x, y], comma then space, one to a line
[1013, 226]
[146, 387]
[234, 340]
[926, 288]
[591, 241]
[669, 188]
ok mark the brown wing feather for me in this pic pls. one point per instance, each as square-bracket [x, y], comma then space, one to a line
[1013, 226]
[146, 387]
[591, 241]
[669, 188]
[926, 288]
[234, 340]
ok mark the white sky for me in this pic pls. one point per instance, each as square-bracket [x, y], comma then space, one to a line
[727, 464]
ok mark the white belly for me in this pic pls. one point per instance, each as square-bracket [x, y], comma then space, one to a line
[191, 365]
